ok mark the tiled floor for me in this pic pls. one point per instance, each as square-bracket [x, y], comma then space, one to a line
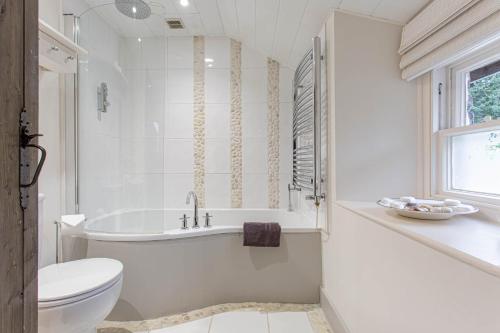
[233, 318]
[245, 322]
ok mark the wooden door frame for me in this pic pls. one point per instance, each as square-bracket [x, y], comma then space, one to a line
[18, 227]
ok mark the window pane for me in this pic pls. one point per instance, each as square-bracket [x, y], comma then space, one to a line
[483, 93]
[476, 162]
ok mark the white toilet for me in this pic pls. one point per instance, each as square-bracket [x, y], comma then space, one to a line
[75, 296]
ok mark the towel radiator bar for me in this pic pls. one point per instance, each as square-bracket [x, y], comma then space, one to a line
[307, 124]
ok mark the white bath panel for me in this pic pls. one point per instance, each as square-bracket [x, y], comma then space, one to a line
[197, 326]
[241, 322]
[289, 322]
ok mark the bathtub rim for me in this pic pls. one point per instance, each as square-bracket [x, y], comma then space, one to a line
[182, 233]
[178, 233]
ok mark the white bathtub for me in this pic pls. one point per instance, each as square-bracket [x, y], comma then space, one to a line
[169, 270]
[162, 224]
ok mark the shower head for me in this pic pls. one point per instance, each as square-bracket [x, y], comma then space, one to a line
[136, 9]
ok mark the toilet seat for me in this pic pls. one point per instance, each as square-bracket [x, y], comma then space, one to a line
[70, 282]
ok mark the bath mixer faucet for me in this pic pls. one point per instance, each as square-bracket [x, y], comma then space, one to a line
[188, 200]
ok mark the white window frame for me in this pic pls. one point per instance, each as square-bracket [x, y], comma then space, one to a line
[452, 122]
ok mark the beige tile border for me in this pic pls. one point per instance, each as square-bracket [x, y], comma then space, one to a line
[199, 117]
[273, 133]
[314, 313]
[236, 134]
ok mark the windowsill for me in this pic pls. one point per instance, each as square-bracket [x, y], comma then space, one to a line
[470, 239]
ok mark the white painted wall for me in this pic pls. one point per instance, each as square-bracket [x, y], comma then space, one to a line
[51, 176]
[375, 112]
[49, 125]
[50, 11]
[377, 280]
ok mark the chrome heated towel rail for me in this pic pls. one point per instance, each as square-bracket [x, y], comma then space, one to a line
[307, 124]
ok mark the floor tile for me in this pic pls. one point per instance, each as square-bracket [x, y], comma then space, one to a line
[196, 326]
[240, 322]
[289, 322]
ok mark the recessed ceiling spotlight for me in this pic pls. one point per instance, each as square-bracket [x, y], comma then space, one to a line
[209, 60]
[139, 39]
[134, 9]
[184, 3]
[210, 65]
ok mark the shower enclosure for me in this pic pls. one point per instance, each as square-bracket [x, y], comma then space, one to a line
[121, 89]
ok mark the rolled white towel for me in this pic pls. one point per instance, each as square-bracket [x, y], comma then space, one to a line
[451, 202]
[397, 205]
[441, 210]
[408, 199]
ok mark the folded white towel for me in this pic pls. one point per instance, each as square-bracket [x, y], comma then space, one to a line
[73, 220]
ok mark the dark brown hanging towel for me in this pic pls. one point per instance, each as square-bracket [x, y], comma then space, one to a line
[261, 234]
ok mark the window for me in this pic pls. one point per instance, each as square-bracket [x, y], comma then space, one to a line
[468, 148]
[483, 93]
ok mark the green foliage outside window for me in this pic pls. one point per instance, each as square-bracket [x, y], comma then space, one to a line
[484, 98]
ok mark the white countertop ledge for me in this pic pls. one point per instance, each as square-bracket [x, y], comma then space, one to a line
[467, 238]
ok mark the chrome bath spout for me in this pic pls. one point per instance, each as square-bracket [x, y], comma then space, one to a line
[188, 200]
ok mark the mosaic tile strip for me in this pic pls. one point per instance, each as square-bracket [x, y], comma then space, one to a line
[199, 117]
[314, 313]
[236, 134]
[273, 132]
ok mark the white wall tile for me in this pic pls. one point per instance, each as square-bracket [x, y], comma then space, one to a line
[179, 156]
[250, 58]
[286, 84]
[180, 86]
[179, 121]
[153, 53]
[286, 149]
[285, 179]
[142, 155]
[142, 191]
[176, 188]
[217, 86]
[254, 155]
[180, 52]
[140, 110]
[154, 103]
[255, 190]
[254, 86]
[241, 322]
[254, 120]
[131, 54]
[217, 156]
[217, 49]
[217, 120]
[218, 190]
[289, 322]
[157, 103]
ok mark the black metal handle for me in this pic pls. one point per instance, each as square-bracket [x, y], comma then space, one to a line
[40, 163]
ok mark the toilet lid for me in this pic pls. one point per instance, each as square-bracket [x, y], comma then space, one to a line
[73, 278]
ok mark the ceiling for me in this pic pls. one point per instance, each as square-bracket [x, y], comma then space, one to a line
[281, 29]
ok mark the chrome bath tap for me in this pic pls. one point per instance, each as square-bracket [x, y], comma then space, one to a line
[188, 200]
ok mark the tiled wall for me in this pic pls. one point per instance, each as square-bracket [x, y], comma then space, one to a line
[100, 170]
[151, 161]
